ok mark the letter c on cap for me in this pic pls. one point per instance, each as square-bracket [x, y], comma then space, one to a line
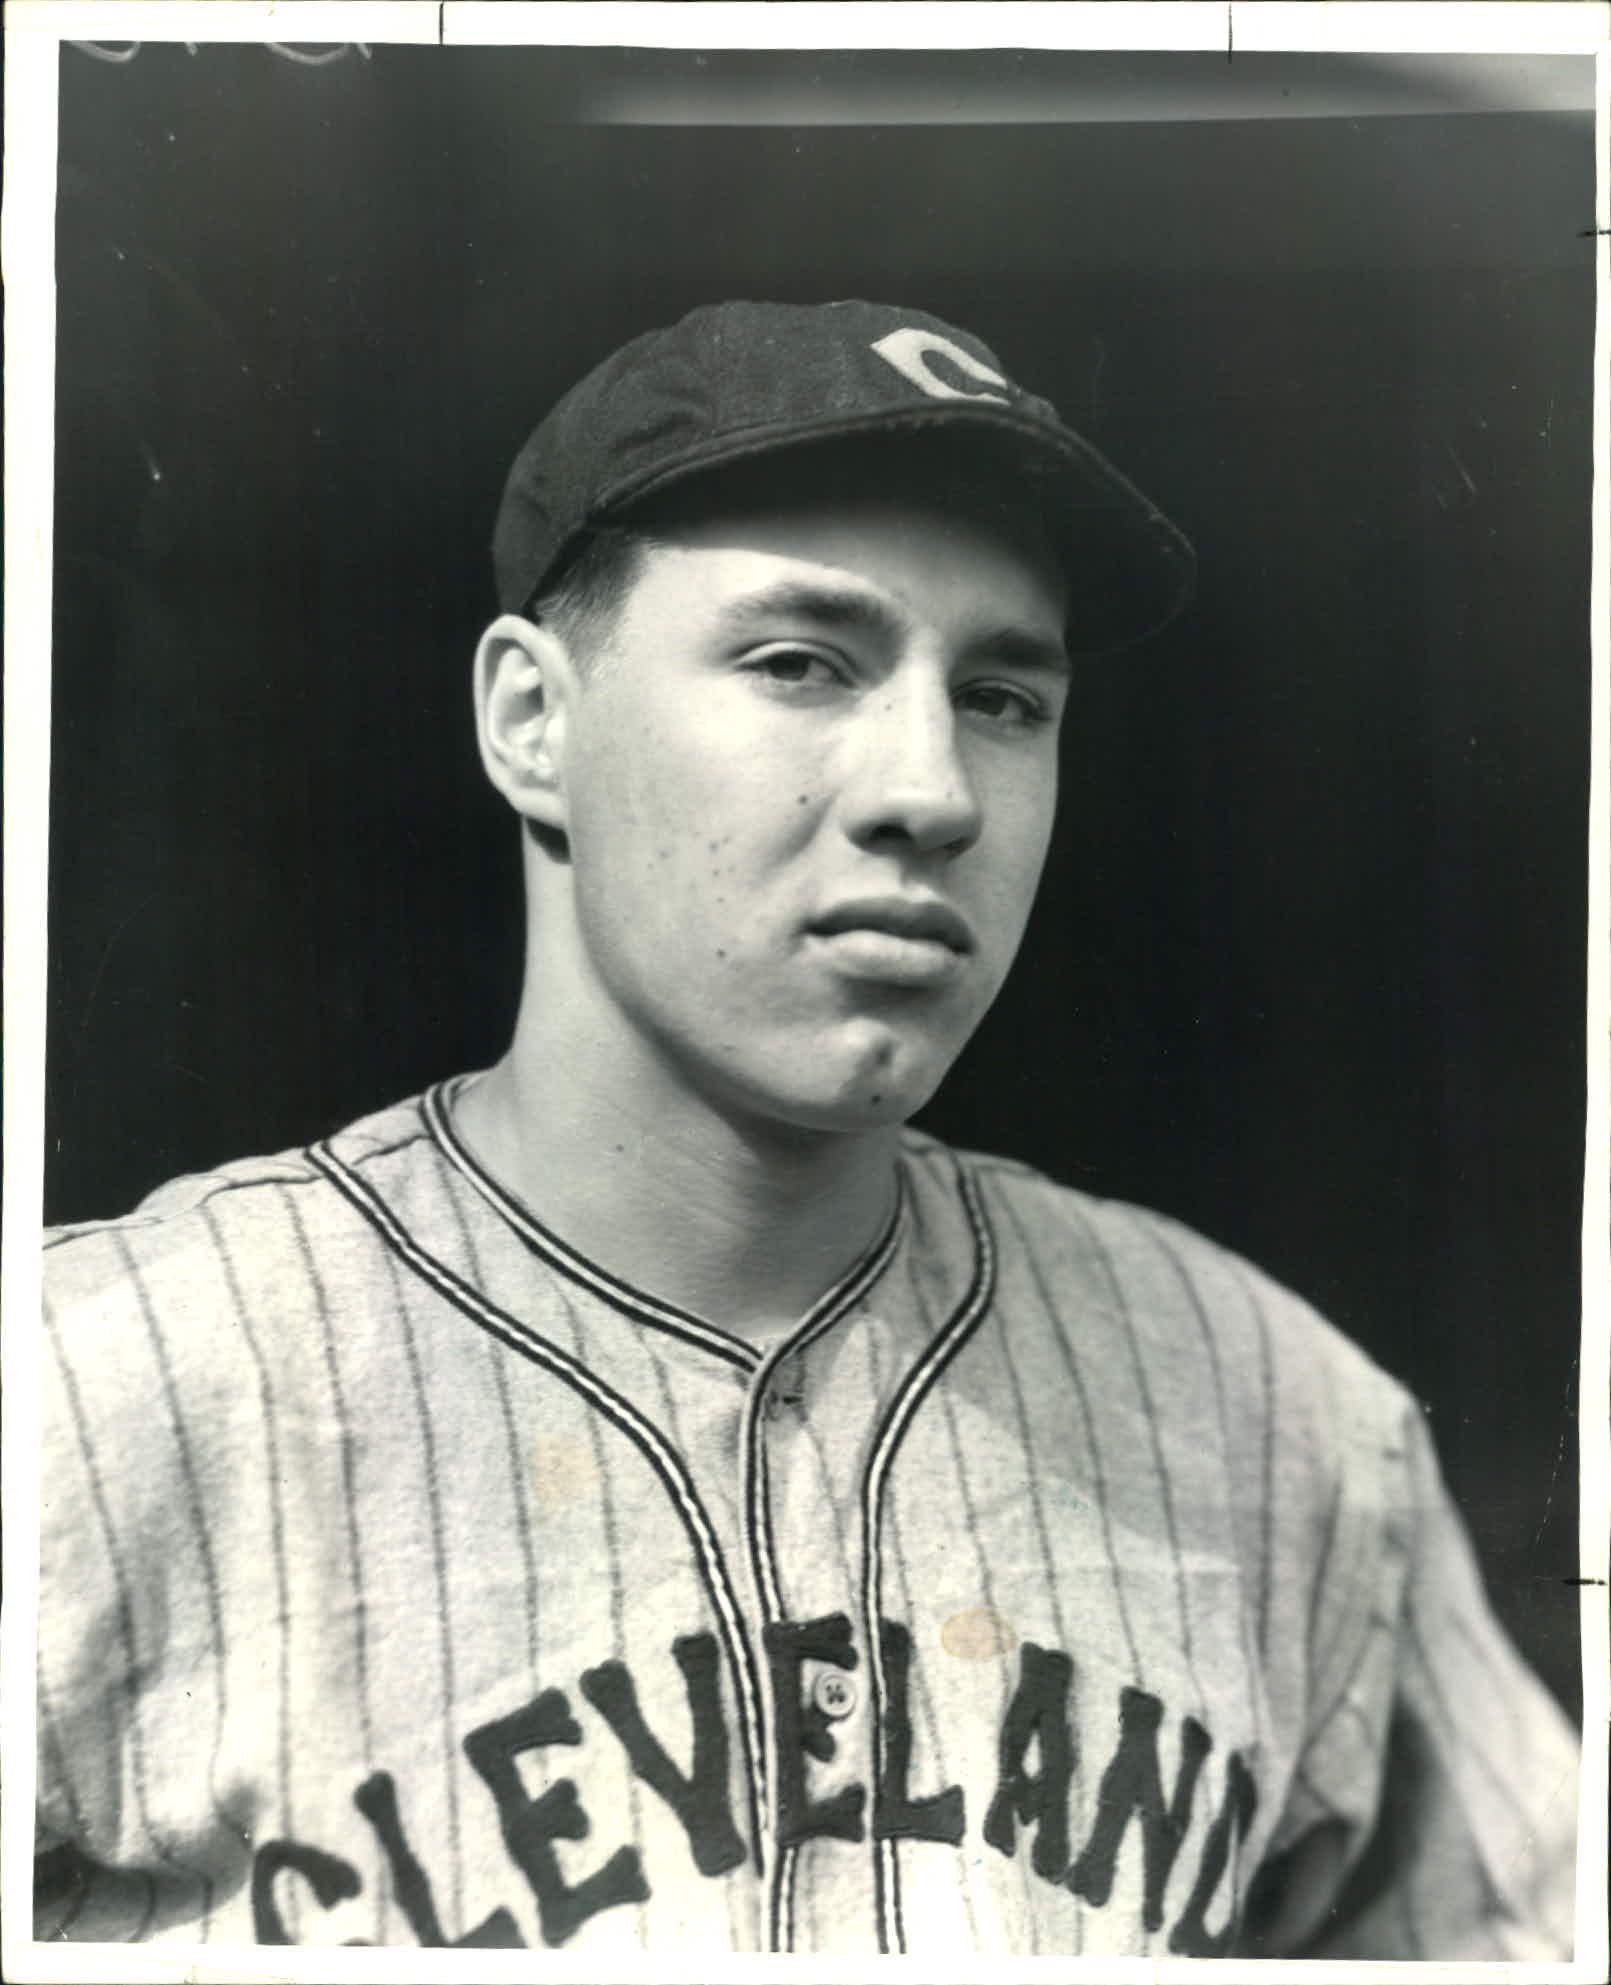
[910, 350]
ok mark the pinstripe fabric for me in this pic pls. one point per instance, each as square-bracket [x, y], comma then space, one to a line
[351, 1507]
[283, 1510]
[1267, 1499]
[740, 1936]
[548, 1245]
[195, 1510]
[1037, 1511]
[620, 1414]
[835, 1500]
[1151, 1232]
[1087, 1419]
[1159, 1467]
[517, 1474]
[441, 1611]
[613, 1581]
[988, 1592]
[941, 1348]
[57, 1764]
[134, 1658]
[896, 1559]
[758, 1523]
[54, 1764]
[349, 1497]
[408, 1577]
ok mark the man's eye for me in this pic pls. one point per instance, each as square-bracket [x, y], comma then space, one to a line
[1003, 703]
[801, 666]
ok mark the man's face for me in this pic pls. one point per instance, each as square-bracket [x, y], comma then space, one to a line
[809, 786]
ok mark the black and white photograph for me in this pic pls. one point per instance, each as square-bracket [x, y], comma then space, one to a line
[817, 946]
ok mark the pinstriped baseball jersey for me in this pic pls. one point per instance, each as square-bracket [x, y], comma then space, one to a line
[1057, 1585]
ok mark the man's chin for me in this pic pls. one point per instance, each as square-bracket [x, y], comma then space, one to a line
[885, 1110]
[870, 1094]
[858, 1076]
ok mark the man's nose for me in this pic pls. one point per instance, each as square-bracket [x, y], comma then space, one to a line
[912, 786]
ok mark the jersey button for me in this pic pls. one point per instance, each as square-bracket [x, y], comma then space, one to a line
[834, 1694]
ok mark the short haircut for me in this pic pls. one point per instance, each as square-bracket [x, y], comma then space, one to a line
[582, 597]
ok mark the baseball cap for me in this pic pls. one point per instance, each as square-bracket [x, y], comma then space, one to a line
[734, 382]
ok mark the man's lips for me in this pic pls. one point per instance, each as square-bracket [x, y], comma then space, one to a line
[894, 940]
[921, 918]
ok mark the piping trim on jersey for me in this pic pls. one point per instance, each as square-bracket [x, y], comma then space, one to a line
[625, 1417]
[828, 1310]
[567, 1260]
[964, 1321]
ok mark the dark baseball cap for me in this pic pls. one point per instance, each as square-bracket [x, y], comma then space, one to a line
[735, 382]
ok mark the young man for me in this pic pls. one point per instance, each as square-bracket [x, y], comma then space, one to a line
[641, 1495]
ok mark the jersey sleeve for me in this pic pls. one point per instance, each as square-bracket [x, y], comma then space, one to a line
[1433, 1809]
[144, 1422]
[78, 1742]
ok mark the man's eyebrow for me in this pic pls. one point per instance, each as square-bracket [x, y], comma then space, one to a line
[804, 599]
[830, 606]
[1018, 648]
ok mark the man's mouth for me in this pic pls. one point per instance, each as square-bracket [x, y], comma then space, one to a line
[895, 940]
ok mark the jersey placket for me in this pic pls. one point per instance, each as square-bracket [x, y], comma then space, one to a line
[888, 1652]
[810, 1651]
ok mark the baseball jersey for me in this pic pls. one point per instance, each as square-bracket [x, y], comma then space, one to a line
[1057, 1585]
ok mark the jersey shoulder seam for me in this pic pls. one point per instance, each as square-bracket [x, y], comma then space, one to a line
[418, 1135]
[214, 1183]
[79, 1230]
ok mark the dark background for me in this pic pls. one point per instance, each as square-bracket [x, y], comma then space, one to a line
[1309, 971]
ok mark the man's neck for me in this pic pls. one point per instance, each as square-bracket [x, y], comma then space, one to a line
[743, 1224]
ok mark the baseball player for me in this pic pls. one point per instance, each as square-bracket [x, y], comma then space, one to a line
[642, 1495]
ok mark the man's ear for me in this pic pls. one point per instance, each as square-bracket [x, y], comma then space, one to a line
[525, 684]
